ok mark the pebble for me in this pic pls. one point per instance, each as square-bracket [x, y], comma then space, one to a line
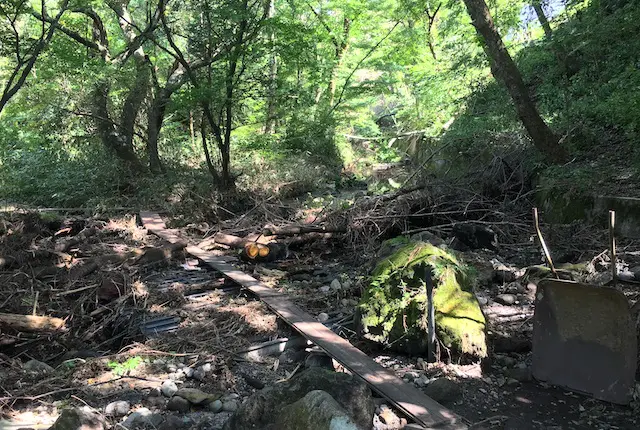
[231, 396]
[177, 403]
[118, 408]
[188, 372]
[388, 417]
[512, 381]
[483, 301]
[346, 285]
[335, 285]
[35, 366]
[506, 299]
[443, 390]
[324, 289]
[215, 406]
[169, 388]
[411, 375]
[421, 381]
[156, 402]
[177, 376]
[172, 368]
[155, 392]
[323, 317]
[199, 374]
[230, 406]
[142, 416]
[520, 375]
[207, 367]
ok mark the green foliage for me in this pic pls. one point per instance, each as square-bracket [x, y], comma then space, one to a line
[124, 368]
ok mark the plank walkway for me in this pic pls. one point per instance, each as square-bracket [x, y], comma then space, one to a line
[413, 402]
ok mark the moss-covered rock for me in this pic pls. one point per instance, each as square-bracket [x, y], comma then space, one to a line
[393, 308]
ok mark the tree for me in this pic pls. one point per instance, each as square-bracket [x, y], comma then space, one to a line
[25, 56]
[504, 68]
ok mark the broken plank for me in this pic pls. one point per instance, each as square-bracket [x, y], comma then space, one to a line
[413, 402]
[32, 323]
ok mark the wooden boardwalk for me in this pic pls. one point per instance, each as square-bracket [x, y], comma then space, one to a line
[413, 402]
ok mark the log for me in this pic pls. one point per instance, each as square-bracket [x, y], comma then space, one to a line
[32, 323]
[293, 230]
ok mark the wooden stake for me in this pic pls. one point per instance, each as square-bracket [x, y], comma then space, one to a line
[547, 255]
[431, 317]
[612, 246]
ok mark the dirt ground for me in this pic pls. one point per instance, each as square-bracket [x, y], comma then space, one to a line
[138, 314]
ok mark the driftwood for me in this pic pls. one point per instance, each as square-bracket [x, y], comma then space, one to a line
[32, 323]
[64, 246]
[293, 230]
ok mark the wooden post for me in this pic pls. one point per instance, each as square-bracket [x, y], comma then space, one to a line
[612, 246]
[431, 317]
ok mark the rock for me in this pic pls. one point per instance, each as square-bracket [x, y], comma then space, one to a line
[199, 374]
[169, 388]
[335, 285]
[35, 366]
[142, 417]
[155, 392]
[254, 382]
[231, 396]
[427, 236]
[83, 418]
[503, 276]
[188, 372]
[512, 381]
[520, 375]
[172, 368]
[482, 301]
[324, 289]
[230, 406]
[195, 396]
[421, 381]
[177, 376]
[178, 404]
[318, 359]
[475, 236]
[215, 406]
[443, 390]
[172, 422]
[317, 410]
[389, 418]
[290, 356]
[411, 376]
[348, 391]
[207, 367]
[323, 317]
[626, 276]
[391, 311]
[119, 408]
[156, 402]
[636, 272]
[346, 285]
[506, 299]
[511, 344]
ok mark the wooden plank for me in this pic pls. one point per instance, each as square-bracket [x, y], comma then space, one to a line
[405, 397]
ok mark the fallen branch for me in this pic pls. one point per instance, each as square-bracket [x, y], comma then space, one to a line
[32, 323]
[301, 229]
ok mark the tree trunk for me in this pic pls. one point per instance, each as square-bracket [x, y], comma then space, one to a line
[155, 119]
[109, 133]
[544, 22]
[505, 69]
[269, 126]
[341, 49]
[135, 97]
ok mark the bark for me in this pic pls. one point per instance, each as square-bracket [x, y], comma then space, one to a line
[32, 323]
[504, 68]
[341, 49]
[154, 124]
[269, 126]
[432, 19]
[544, 22]
[107, 130]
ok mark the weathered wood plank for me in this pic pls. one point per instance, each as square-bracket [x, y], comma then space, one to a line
[407, 398]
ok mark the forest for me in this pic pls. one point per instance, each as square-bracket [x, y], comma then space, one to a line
[411, 180]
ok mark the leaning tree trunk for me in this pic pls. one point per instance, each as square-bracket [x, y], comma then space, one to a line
[504, 68]
[270, 122]
[544, 22]
[110, 135]
[155, 120]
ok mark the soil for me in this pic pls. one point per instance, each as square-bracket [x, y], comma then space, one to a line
[133, 322]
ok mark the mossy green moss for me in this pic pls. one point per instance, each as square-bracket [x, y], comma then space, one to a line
[392, 310]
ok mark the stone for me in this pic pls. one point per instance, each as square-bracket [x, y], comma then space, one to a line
[169, 388]
[230, 406]
[156, 402]
[172, 368]
[421, 381]
[143, 417]
[626, 276]
[188, 372]
[318, 359]
[391, 310]
[231, 396]
[335, 285]
[512, 382]
[346, 285]
[35, 366]
[207, 367]
[215, 406]
[155, 392]
[520, 375]
[348, 391]
[323, 317]
[503, 276]
[172, 422]
[199, 374]
[178, 404]
[195, 396]
[636, 272]
[506, 299]
[317, 410]
[389, 418]
[324, 289]
[411, 375]
[118, 408]
[83, 418]
[443, 390]
[483, 301]
[177, 376]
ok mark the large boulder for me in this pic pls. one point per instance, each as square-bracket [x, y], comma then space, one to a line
[393, 308]
[315, 411]
[83, 418]
[261, 410]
